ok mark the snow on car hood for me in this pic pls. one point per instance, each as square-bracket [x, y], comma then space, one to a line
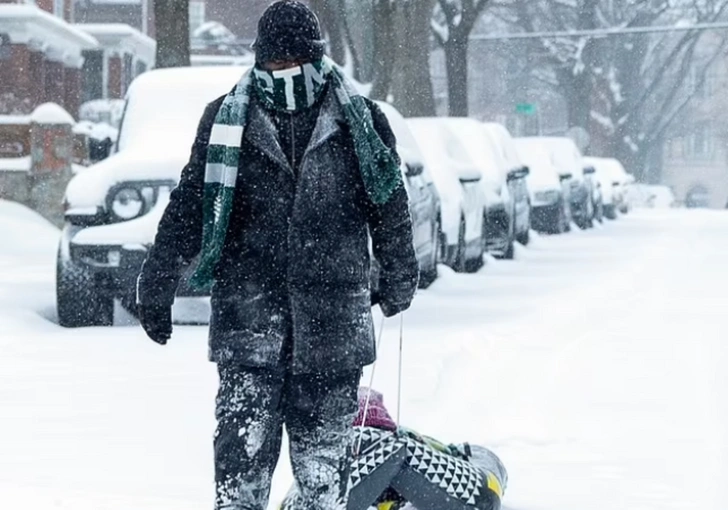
[90, 186]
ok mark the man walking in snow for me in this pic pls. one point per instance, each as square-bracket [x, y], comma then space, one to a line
[288, 174]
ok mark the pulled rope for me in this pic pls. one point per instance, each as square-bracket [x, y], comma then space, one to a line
[369, 390]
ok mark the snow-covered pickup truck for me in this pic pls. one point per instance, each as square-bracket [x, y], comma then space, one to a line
[112, 209]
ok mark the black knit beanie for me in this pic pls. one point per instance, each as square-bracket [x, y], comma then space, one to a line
[288, 31]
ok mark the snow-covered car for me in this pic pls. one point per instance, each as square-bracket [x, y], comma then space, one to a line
[482, 152]
[550, 210]
[613, 180]
[423, 195]
[516, 172]
[461, 196]
[568, 160]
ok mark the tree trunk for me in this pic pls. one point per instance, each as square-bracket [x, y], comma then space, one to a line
[456, 63]
[384, 48]
[331, 26]
[413, 95]
[349, 40]
[172, 29]
[624, 143]
[581, 88]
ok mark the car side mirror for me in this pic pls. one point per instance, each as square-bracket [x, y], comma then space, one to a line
[414, 169]
[518, 173]
[469, 179]
[589, 170]
[100, 149]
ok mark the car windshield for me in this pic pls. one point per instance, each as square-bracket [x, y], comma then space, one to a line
[536, 159]
[408, 145]
[434, 150]
[475, 141]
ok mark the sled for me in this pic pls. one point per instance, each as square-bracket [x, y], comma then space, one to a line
[394, 468]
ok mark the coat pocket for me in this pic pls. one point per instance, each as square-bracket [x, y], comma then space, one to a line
[249, 328]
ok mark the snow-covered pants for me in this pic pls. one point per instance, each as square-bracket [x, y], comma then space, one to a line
[318, 411]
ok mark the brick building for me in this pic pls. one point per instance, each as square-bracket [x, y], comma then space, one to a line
[41, 57]
[122, 54]
[695, 156]
[45, 58]
[138, 14]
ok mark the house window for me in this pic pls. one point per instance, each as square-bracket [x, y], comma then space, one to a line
[128, 70]
[701, 82]
[699, 144]
[197, 14]
[93, 75]
[139, 68]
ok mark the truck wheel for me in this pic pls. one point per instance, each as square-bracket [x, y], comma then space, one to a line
[78, 302]
[524, 237]
[610, 212]
[510, 252]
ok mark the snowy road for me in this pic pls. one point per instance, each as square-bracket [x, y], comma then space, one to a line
[592, 365]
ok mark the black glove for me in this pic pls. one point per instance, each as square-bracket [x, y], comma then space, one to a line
[157, 322]
[376, 299]
[392, 309]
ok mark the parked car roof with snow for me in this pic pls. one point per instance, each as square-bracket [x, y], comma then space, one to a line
[543, 173]
[479, 147]
[506, 149]
[462, 200]
[407, 146]
[563, 152]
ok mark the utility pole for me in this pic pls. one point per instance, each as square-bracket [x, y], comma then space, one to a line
[601, 32]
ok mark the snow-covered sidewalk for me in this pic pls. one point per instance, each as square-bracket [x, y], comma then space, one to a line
[590, 364]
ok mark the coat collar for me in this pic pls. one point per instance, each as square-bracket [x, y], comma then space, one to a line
[330, 120]
[262, 132]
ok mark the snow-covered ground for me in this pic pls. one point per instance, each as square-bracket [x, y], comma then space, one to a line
[592, 365]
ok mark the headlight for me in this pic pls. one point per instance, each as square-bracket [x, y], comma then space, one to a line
[132, 199]
[127, 203]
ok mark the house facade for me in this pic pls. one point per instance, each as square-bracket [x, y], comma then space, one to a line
[695, 155]
[46, 58]
[41, 58]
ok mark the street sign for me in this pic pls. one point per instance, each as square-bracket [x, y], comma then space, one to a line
[526, 108]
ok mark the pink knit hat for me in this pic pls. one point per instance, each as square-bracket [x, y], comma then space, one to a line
[377, 415]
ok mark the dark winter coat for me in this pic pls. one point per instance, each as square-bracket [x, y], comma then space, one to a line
[295, 268]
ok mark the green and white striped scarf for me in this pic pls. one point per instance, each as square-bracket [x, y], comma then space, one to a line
[378, 164]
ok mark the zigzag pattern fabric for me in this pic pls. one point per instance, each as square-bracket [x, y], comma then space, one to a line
[418, 472]
[377, 448]
[456, 477]
[378, 164]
